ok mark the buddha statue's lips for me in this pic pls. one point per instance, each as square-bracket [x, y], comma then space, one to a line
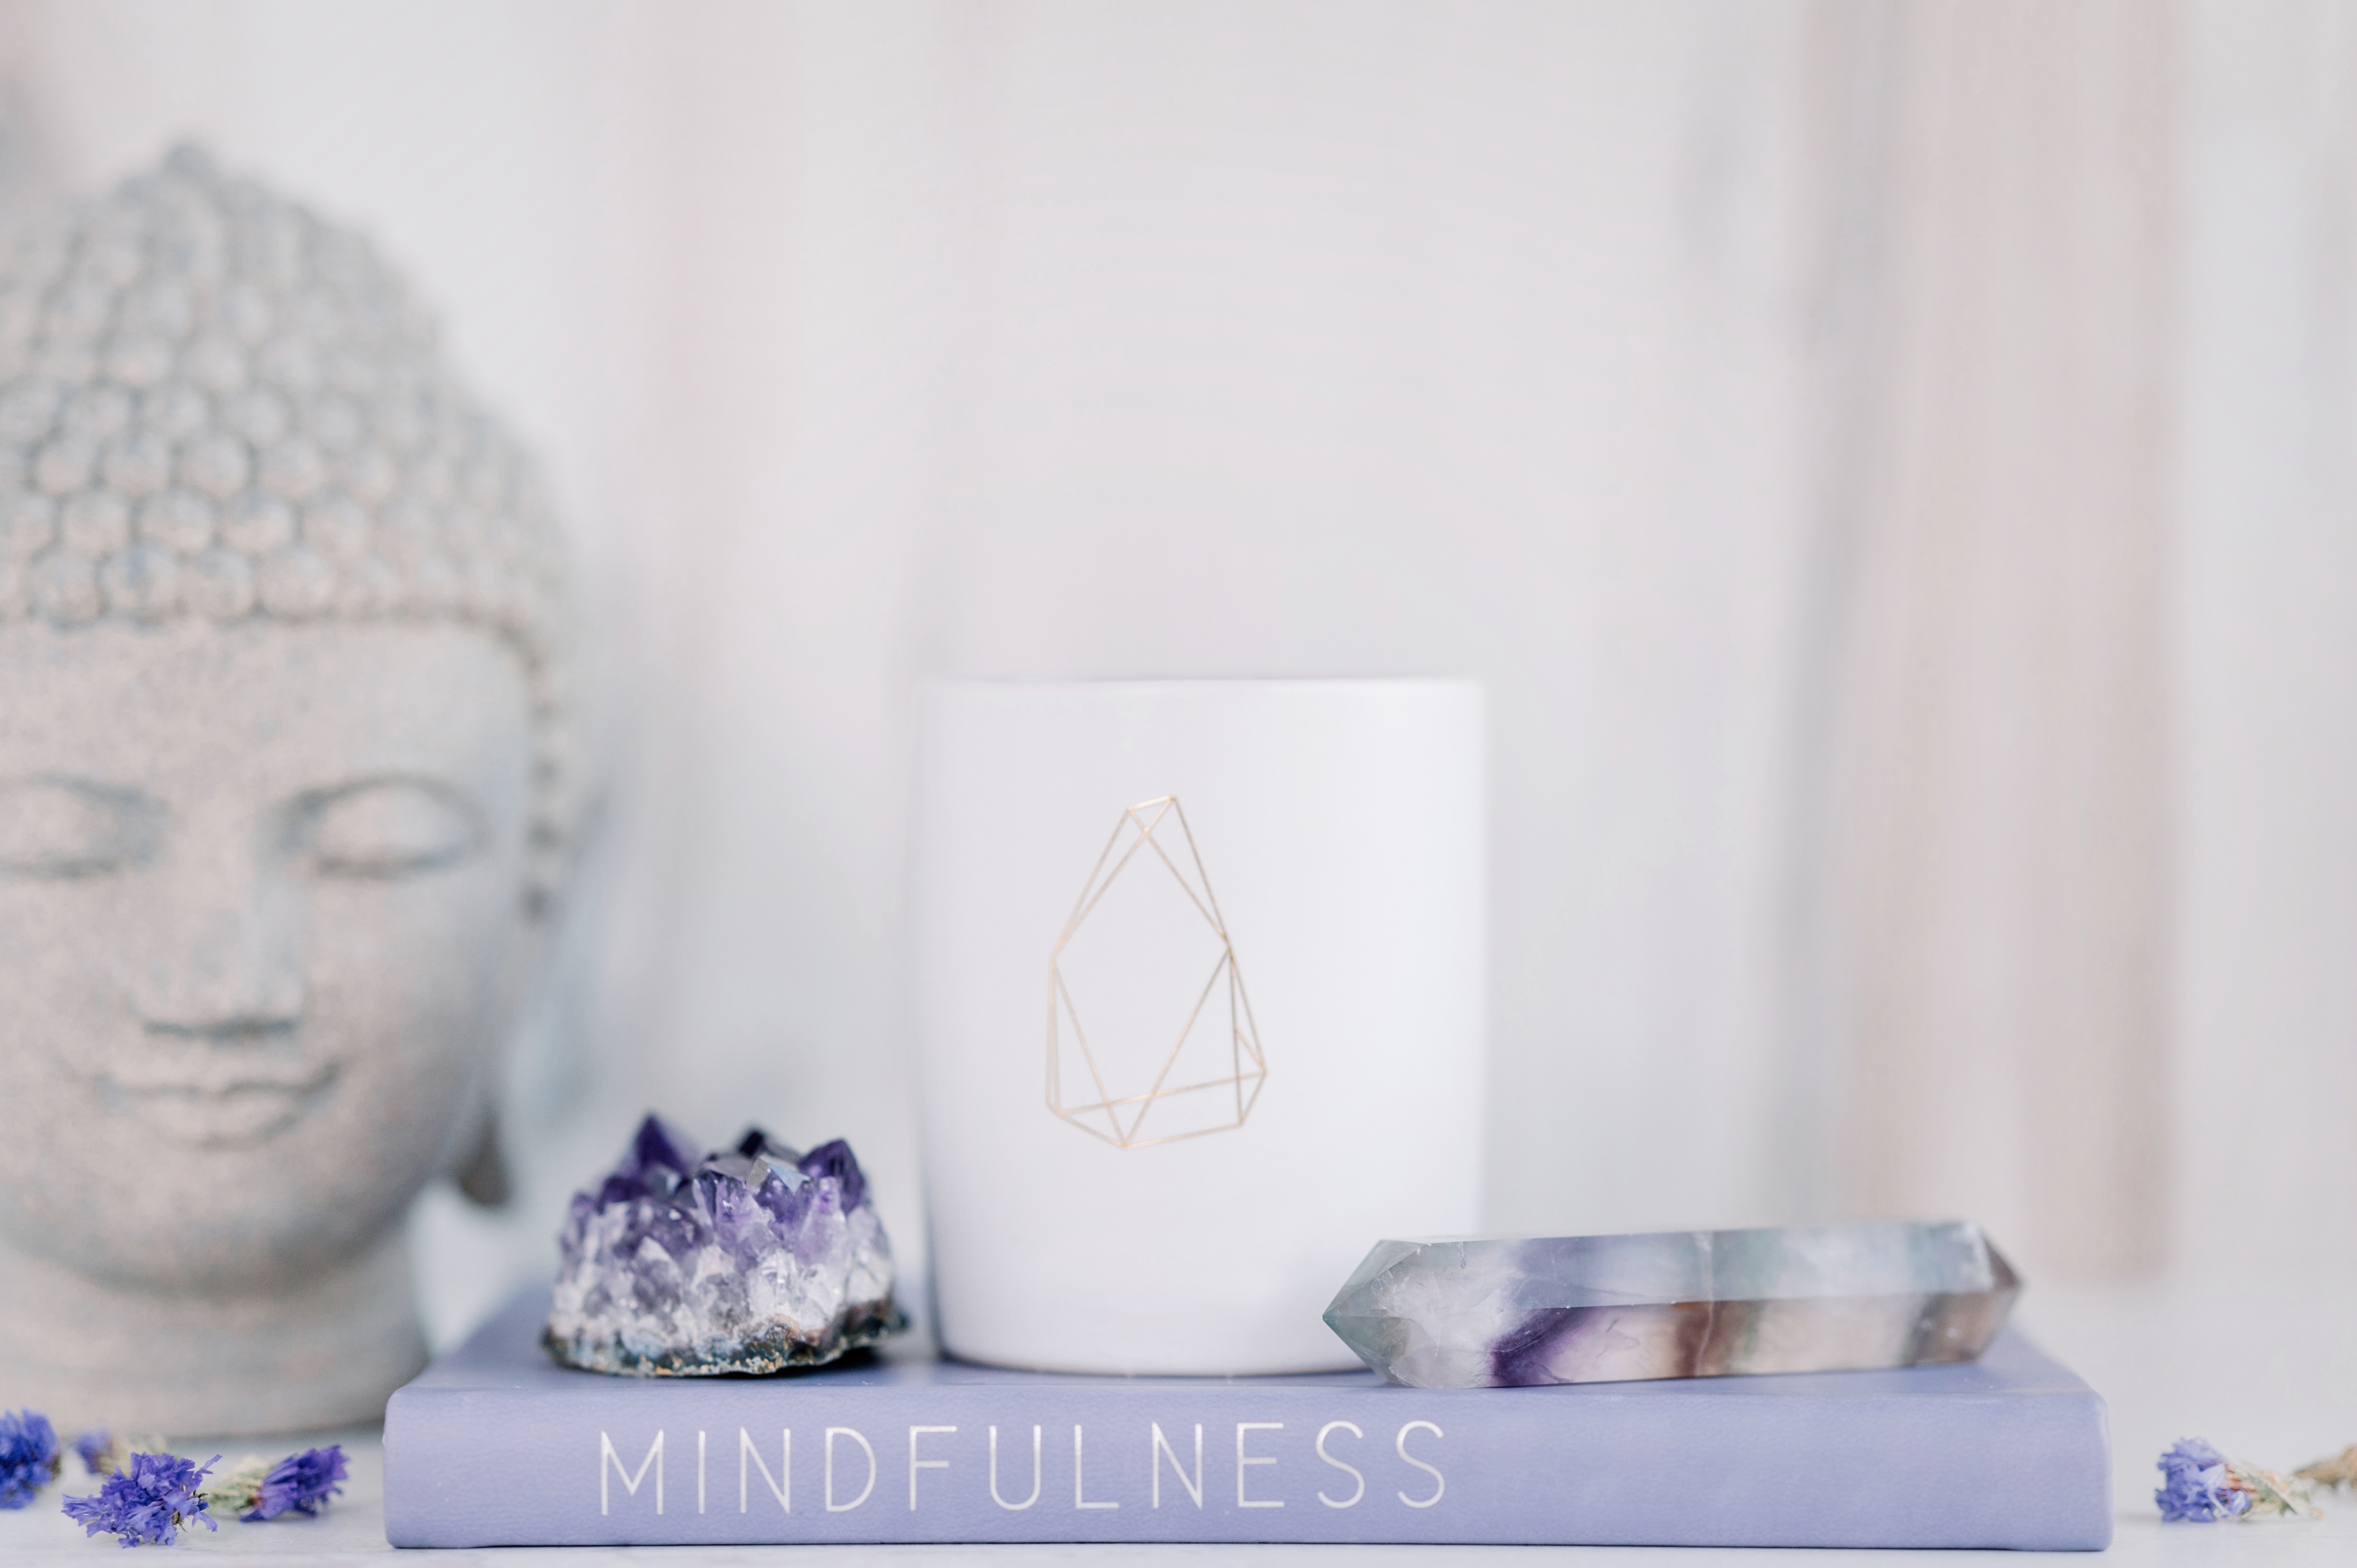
[216, 1073]
[216, 1102]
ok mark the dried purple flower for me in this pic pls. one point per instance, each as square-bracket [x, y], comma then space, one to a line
[96, 1447]
[28, 1455]
[301, 1483]
[151, 1500]
[2200, 1486]
[2194, 1486]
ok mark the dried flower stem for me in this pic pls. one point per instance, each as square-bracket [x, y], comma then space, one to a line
[2341, 1470]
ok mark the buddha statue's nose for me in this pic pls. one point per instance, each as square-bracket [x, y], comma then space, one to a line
[224, 959]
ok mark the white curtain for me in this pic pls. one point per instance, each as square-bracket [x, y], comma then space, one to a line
[1989, 866]
[1889, 463]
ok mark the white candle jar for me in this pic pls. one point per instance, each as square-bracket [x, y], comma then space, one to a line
[1199, 975]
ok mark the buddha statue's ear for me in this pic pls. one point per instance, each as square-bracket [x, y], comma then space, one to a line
[483, 1173]
[562, 837]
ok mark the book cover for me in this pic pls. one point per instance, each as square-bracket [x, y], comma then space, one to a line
[494, 1444]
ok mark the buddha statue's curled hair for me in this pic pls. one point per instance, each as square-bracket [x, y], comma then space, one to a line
[213, 404]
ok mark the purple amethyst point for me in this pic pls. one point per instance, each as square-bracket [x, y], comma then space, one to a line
[833, 1159]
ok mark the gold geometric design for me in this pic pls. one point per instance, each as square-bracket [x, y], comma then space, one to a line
[1135, 952]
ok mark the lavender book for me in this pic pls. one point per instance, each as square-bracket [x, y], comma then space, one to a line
[495, 1444]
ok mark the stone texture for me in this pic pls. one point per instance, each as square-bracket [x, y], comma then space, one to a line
[750, 1259]
[282, 793]
[1497, 1312]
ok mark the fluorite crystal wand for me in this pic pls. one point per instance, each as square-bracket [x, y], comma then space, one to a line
[1501, 1312]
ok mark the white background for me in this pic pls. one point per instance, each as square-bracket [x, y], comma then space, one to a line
[869, 342]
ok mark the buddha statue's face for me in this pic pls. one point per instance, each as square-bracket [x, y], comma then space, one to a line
[262, 922]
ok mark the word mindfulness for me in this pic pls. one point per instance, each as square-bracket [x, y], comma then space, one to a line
[1020, 1469]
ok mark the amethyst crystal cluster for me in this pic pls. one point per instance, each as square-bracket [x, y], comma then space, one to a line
[750, 1259]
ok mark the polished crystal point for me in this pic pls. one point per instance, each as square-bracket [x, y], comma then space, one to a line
[750, 1259]
[1500, 1312]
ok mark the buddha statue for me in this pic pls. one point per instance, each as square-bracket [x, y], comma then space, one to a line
[282, 804]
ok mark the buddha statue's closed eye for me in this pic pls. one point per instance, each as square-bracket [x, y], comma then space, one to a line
[280, 803]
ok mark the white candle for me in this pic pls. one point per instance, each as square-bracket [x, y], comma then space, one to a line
[1199, 983]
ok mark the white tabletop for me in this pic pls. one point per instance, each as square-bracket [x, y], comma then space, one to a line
[2267, 1372]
